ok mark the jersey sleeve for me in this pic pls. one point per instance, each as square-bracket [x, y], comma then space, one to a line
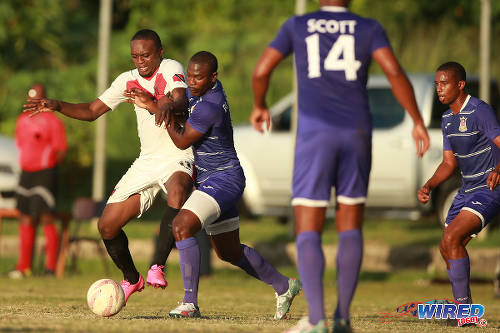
[113, 96]
[173, 73]
[380, 38]
[283, 42]
[203, 117]
[487, 121]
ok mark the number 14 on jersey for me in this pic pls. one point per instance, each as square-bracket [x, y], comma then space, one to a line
[343, 46]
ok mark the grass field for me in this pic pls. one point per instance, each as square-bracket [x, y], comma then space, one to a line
[231, 301]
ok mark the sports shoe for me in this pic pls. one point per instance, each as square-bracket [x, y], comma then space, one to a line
[18, 275]
[156, 278]
[129, 289]
[284, 301]
[304, 326]
[185, 310]
[341, 325]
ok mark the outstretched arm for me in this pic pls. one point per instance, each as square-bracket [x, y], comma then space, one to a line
[82, 111]
[403, 91]
[260, 83]
[443, 172]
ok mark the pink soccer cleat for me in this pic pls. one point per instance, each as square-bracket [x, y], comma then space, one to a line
[156, 277]
[129, 289]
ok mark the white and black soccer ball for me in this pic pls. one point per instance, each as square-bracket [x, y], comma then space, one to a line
[105, 297]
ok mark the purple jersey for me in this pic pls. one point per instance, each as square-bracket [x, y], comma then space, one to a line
[333, 50]
[214, 153]
[470, 134]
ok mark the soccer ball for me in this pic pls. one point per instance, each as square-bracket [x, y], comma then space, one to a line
[105, 297]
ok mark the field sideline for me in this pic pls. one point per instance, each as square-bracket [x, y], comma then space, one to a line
[229, 301]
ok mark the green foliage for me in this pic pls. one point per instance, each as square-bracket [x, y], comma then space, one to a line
[55, 43]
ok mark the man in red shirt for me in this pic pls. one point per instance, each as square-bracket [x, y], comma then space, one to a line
[41, 142]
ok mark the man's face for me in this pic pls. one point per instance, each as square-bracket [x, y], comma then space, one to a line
[199, 78]
[146, 56]
[448, 87]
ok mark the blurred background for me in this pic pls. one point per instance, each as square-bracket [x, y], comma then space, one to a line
[55, 43]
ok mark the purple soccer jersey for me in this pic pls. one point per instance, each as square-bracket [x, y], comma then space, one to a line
[469, 135]
[333, 50]
[218, 170]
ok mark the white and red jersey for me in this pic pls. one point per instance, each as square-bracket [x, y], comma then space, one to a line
[155, 141]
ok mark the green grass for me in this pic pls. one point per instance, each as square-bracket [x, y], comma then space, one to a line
[230, 301]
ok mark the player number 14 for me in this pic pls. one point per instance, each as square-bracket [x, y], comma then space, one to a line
[344, 45]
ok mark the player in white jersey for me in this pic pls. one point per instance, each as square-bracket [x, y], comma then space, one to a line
[160, 165]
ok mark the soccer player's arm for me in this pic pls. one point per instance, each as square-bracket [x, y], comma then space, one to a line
[279, 48]
[443, 172]
[82, 111]
[487, 122]
[172, 107]
[202, 118]
[494, 176]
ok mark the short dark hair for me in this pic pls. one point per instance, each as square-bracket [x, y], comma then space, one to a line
[454, 67]
[147, 34]
[206, 58]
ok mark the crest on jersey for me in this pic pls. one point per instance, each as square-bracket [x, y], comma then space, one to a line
[463, 124]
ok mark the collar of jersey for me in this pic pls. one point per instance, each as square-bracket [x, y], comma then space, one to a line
[465, 104]
[335, 9]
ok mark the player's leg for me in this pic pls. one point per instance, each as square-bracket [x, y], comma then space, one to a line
[178, 187]
[185, 225]
[27, 230]
[113, 218]
[226, 243]
[463, 226]
[349, 220]
[51, 242]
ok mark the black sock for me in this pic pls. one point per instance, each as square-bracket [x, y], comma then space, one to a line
[118, 251]
[166, 240]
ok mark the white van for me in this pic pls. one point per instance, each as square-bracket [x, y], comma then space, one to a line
[396, 173]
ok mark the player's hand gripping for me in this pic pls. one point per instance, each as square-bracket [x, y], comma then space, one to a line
[423, 194]
[259, 117]
[421, 138]
[140, 98]
[493, 179]
[37, 105]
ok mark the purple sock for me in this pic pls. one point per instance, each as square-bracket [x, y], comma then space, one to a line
[311, 262]
[189, 253]
[256, 266]
[459, 274]
[349, 256]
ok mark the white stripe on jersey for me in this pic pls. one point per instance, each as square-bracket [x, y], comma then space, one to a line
[477, 174]
[473, 154]
[202, 153]
[467, 112]
[474, 188]
[462, 134]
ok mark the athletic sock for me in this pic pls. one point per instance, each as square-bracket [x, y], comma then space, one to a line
[118, 251]
[349, 257]
[256, 266]
[311, 264]
[26, 242]
[459, 274]
[165, 241]
[51, 245]
[189, 253]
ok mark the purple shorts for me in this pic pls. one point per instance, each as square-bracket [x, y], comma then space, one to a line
[483, 203]
[340, 158]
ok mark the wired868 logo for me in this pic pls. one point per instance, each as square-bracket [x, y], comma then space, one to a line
[463, 313]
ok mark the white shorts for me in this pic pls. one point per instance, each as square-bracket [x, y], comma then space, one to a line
[147, 177]
[208, 211]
